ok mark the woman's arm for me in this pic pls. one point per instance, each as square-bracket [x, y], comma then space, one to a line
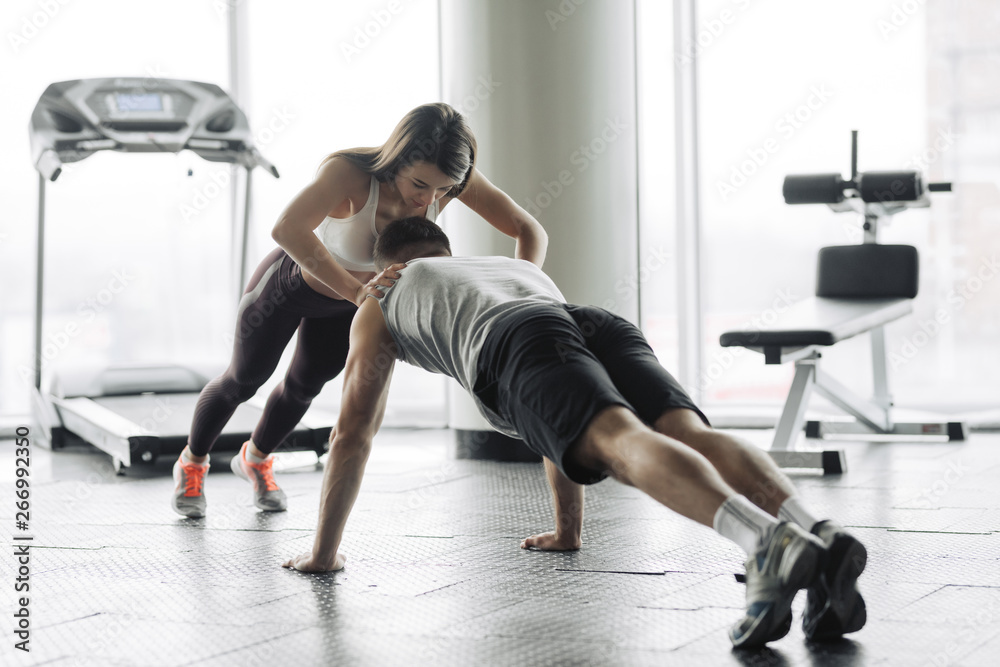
[498, 209]
[294, 231]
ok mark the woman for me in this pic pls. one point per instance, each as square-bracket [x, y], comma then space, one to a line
[322, 271]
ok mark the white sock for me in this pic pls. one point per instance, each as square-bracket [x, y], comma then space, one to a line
[793, 510]
[186, 457]
[250, 457]
[744, 523]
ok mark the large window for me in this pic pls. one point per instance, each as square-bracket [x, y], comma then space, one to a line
[327, 76]
[114, 220]
[782, 84]
[322, 76]
[657, 278]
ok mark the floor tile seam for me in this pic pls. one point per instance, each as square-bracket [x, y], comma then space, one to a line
[902, 531]
[520, 636]
[692, 609]
[691, 585]
[160, 619]
[177, 524]
[984, 642]
[210, 659]
[277, 599]
[933, 508]
[926, 624]
[508, 603]
[927, 583]
[424, 486]
[45, 661]
[707, 633]
[70, 620]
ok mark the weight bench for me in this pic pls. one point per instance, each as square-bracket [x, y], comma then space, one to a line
[859, 289]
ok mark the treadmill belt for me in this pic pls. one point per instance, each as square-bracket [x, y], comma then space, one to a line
[169, 415]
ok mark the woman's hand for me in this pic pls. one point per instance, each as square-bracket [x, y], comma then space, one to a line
[386, 278]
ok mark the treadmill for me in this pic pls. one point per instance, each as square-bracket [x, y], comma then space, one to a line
[135, 413]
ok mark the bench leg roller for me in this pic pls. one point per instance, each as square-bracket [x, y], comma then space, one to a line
[831, 462]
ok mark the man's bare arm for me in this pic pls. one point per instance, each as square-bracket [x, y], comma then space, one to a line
[568, 498]
[366, 386]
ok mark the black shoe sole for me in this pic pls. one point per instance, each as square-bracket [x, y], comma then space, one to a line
[844, 610]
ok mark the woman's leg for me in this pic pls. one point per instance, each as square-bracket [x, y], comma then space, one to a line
[320, 355]
[263, 329]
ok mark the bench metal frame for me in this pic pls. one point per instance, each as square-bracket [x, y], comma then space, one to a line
[873, 415]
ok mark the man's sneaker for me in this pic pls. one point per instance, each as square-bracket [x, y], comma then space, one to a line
[834, 606]
[267, 495]
[189, 496]
[791, 559]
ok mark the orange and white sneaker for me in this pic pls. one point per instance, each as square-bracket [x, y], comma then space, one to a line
[189, 496]
[267, 495]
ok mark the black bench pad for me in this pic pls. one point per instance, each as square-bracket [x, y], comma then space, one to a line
[820, 321]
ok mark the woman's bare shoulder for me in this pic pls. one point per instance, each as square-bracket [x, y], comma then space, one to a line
[345, 176]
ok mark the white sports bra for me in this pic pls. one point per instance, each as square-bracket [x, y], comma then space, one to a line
[351, 240]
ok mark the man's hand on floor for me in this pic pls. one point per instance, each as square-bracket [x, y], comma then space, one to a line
[550, 542]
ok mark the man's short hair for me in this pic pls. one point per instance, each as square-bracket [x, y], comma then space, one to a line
[402, 240]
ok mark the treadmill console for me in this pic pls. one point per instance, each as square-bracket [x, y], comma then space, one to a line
[125, 103]
[74, 119]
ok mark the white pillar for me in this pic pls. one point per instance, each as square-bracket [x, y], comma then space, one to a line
[549, 88]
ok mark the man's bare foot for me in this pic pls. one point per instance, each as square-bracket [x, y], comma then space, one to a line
[307, 563]
[549, 542]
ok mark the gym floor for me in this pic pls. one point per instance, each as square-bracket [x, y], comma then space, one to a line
[434, 574]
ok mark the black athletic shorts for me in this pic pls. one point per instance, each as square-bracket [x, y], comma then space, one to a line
[549, 369]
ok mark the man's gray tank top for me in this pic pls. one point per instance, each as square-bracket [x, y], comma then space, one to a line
[441, 309]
